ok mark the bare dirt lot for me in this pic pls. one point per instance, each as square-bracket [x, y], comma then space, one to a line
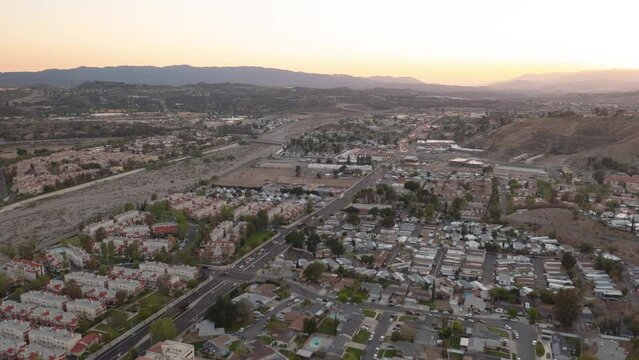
[577, 232]
[51, 219]
[258, 176]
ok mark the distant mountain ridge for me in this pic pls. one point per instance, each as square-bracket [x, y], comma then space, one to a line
[177, 75]
[596, 81]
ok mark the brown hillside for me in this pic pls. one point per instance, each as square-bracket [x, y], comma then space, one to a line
[572, 140]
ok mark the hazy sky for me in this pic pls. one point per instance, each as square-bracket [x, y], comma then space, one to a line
[461, 42]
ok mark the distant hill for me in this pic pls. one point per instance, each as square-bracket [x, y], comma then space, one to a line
[599, 81]
[185, 75]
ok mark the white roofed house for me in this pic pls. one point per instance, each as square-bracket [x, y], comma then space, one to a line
[44, 299]
[37, 351]
[10, 349]
[91, 309]
[184, 272]
[87, 279]
[19, 270]
[128, 286]
[136, 231]
[154, 266]
[77, 256]
[120, 244]
[54, 338]
[15, 329]
[150, 247]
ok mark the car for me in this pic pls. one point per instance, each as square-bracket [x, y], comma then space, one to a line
[370, 338]
[534, 342]
[381, 338]
[507, 327]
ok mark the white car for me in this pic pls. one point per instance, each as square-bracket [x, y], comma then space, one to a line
[507, 327]
[534, 342]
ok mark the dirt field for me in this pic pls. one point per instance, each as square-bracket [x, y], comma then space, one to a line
[577, 232]
[254, 176]
[49, 220]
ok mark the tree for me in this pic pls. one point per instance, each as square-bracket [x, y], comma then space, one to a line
[512, 312]
[367, 259]
[295, 238]
[568, 261]
[121, 296]
[310, 206]
[298, 171]
[310, 326]
[353, 219]
[26, 250]
[73, 290]
[86, 243]
[21, 152]
[533, 315]
[314, 271]
[599, 176]
[100, 234]
[9, 251]
[4, 284]
[162, 329]
[336, 246]
[566, 309]
[411, 185]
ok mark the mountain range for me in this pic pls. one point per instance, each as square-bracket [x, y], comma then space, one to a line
[600, 81]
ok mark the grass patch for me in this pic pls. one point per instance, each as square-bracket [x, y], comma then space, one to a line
[275, 324]
[300, 340]
[327, 327]
[539, 349]
[234, 345]
[369, 313]
[503, 355]
[407, 318]
[362, 336]
[266, 340]
[388, 353]
[108, 329]
[74, 241]
[498, 331]
[356, 352]
[253, 241]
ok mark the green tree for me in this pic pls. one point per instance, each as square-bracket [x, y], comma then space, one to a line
[72, 290]
[121, 296]
[4, 284]
[27, 250]
[314, 271]
[568, 261]
[310, 326]
[162, 329]
[566, 309]
[533, 315]
[512, 312]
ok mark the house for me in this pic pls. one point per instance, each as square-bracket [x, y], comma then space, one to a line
[184, 272]
[218, 347]
[54, 338]
[20, 270]
[9, 348]
[169, 350]
[37, 351]
[83, 345]
[164, 228]
[128, 286]
[91, 309]
[77, 256]
[44, 299]
[15, 329]
[87, 279]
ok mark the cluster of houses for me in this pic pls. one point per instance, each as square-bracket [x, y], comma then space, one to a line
[602, 285]
[33, 175]
[131, 229]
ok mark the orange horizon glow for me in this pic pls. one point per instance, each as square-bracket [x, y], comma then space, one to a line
[458, 42]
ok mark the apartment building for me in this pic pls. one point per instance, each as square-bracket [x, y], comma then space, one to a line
[44, 299]
[91, 309]
[15, 329]
[169, 350]
[184, 272]
[54, 338]
[20, 270]
[87, 279]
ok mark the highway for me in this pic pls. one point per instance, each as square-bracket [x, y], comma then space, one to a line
[194, 306]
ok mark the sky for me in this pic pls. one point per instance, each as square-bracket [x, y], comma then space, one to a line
[450, 42]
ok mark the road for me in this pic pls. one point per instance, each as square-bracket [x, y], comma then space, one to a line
[224, 282]
[380, 330]
[138, 339]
